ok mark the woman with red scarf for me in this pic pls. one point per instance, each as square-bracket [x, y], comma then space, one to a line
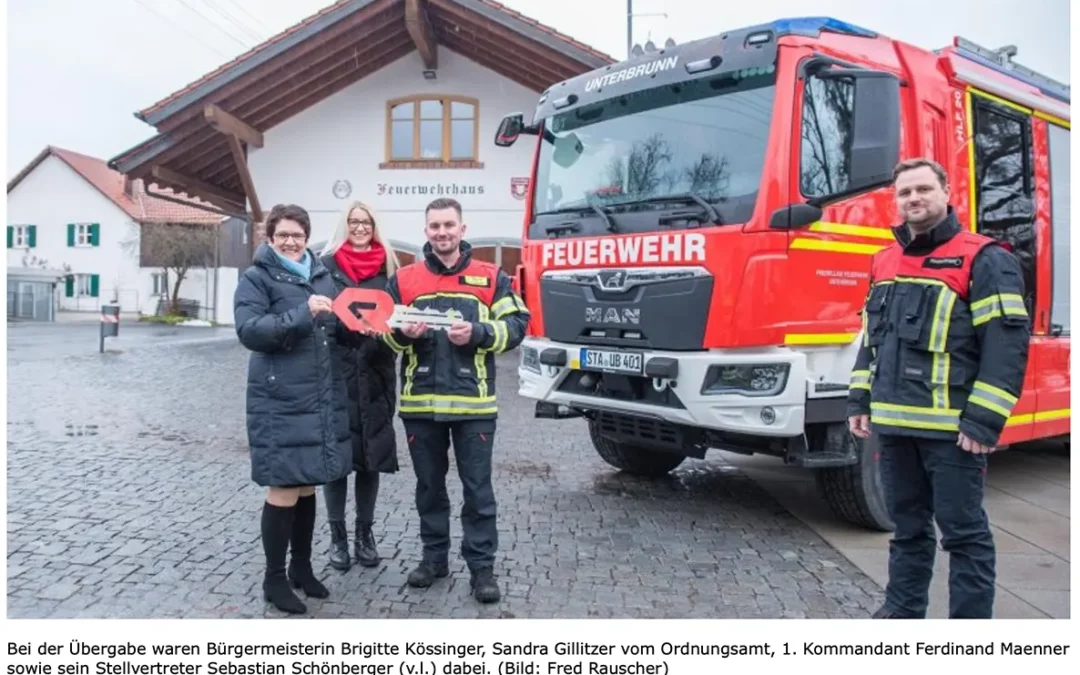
[358, 256]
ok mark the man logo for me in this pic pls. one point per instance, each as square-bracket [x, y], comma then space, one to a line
[611, 280]
[612, 315]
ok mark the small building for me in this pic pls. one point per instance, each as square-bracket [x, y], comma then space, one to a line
[71, 212]
[32, 293]
[389, 102]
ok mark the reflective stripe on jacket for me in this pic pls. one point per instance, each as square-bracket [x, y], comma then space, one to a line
[440, 380]
[945, 336]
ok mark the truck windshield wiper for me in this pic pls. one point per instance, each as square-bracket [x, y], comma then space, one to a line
[714, 216]
[579, 208]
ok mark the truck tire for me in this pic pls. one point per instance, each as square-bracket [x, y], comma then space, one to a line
[631, 458]
[855, 493]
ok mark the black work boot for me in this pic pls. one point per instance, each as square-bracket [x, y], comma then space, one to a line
[884, 612]
[426, 573]
[339, 546]
[300, 573]
[277, 524]
[366, 552]
[485, 589]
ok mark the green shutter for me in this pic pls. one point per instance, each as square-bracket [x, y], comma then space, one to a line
[10, 236]
[93, 285]
[95, 232]
[71, 234]
[69, 286]
[31, 235]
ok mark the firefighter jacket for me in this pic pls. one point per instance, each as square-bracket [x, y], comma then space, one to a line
[945, 336]
[440, 380]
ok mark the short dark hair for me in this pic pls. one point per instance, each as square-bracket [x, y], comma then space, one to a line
[443, 203]
[919, 162]
[291, 212]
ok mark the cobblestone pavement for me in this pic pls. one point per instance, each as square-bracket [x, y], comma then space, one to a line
[129, 496]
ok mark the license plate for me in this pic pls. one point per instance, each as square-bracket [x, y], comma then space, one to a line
[630, 363]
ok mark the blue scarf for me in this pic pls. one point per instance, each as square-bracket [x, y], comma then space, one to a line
[301, 269]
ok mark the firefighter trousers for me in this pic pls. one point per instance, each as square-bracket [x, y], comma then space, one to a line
[429, 443]
[937, 480]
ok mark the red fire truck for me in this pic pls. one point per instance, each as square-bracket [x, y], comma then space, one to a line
[699, 227]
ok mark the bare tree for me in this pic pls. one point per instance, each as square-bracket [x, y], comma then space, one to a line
[175, 248]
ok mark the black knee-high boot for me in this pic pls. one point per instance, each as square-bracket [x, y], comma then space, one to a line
[277, 527]
[300, 573]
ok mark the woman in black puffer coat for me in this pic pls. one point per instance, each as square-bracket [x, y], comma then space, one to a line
[357, 256]
[297, 417]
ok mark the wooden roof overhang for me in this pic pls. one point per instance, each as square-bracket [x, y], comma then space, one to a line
[205, 128]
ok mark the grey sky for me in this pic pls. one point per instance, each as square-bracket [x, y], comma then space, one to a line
[77, 69]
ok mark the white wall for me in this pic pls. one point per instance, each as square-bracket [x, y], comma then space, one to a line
[54, 195]
[343, 138]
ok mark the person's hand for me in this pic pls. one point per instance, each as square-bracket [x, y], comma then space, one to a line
[972, 446]
[460, 333]
[320, 303]
[859, 425]
[414, 330]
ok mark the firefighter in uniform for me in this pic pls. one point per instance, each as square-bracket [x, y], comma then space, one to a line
[448, 391]
[939, 370]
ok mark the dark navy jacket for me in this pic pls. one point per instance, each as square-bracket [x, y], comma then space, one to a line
[297, 405]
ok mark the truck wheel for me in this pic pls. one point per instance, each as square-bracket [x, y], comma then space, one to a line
[631, 458]
[855, 493]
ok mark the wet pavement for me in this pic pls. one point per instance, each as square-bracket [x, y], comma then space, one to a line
[129, 496]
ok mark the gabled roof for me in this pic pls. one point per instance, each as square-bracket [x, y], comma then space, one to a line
[140, 203]
[322, 55]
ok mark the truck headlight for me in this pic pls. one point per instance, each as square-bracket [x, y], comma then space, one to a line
[530, 359]
[750, 379]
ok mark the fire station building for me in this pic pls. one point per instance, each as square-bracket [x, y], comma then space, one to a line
[389, 102]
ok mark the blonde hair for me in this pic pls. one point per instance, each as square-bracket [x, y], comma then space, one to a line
[341, 235]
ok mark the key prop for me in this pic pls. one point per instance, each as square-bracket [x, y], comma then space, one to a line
[360, 308]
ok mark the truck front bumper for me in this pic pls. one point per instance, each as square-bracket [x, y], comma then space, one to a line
[716, 389]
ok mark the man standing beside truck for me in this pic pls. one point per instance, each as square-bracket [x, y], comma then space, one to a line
[448, 391]
[940, 368]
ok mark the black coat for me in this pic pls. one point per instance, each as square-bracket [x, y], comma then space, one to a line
[369, 372]
[297, 411]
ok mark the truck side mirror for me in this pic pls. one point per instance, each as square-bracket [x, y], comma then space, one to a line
[509, 130]
[875, 130]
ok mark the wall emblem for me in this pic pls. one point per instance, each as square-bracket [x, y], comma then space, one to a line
[342, 189]
[519, 187]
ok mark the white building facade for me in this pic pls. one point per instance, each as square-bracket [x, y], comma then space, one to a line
[389, 102]
[70, 212]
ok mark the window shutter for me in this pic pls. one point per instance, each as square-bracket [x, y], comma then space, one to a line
[69, 286]
[93, 285]
[71, 234]
[10, 236]
[31, 235]
[95, 231]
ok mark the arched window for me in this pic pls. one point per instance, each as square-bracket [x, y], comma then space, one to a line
[427, 131]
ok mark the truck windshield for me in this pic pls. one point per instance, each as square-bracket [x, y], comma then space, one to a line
[621, 162]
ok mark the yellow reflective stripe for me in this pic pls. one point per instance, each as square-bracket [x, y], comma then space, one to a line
[939, 376]
[447, 404]
[852, 230]
[388, 338]
[480, 357]
[819, 338]
[1043, 416]
[410, 370]
[508, 305]
[989, 405]
[1053, 119]
[985, 310]
[939, 325]
[969, 139]
[921, 280]
[1012, 304]
[807, 244]
[997, 99]
[1005, 396]
[915, 417]
[860, 379]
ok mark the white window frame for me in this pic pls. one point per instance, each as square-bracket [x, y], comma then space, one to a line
[20, 236]
[82, 285]
[160, 282]
[82, 234]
